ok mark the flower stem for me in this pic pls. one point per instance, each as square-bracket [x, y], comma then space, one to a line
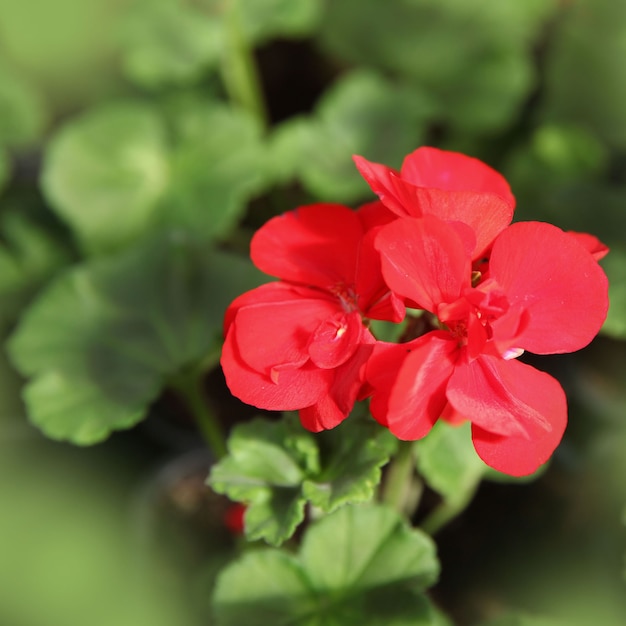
[400, 489]
[238, 67]
[446, 512]
[189, 387]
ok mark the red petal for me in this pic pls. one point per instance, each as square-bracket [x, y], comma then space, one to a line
[333, 407]
[374, 214]
[270, 292]
[312, 245]
[519, 456]
[453, 171]
[273, 336]
[388, 308]
[409, 382]
[452, 416]
[591, 243]
[448, 185]
[486, 214]
[335, 340]
[423, 260]
[374, 298]
[547, 272]
[294, 389]
[386, 183]
[502, 398]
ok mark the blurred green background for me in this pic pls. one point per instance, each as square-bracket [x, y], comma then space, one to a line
[143, 141]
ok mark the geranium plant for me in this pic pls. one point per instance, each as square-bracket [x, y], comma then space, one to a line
[469, 293]
[305, 309]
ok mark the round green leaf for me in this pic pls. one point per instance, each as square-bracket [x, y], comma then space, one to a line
[101, 342]
[448, 462]
[360, 565]
[371, 546]
[483, 68]
[218, 164]
[167, 41]
[22, 114]
[105, 171]
[263, 587]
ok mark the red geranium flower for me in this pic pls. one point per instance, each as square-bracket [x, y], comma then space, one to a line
[544, 292]
[448, 185]
[301, 344]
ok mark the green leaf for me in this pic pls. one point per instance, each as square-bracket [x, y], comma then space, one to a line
[372, 547]
[101, 342]
[266, 465]
[351, 459]
[584, 80]
[264, 19]
[68, 50]
[360, 565]
[167, 41]
[275, 467]
[263, 587]
[483, 69]
[362, 113]
[219, 162]
[29, 255]
[113, 174]
[260, 20]
[615, 267]
[22, 114]
[29, 252]
[285, 148]
[105, 171]
[489, 98]
[447, 461]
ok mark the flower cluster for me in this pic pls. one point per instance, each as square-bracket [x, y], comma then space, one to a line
[480, 291]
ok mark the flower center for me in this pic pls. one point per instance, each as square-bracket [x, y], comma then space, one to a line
[483, 315]
[347, 296]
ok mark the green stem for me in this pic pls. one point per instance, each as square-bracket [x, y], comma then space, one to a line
[238, 67]
[400, 489]
[446, 512]
[190, 388]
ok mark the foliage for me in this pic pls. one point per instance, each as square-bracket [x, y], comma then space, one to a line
[381, 569]
[275, 468]
[137, 320]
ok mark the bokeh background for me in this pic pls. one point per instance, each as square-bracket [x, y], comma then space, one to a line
[143, 141]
